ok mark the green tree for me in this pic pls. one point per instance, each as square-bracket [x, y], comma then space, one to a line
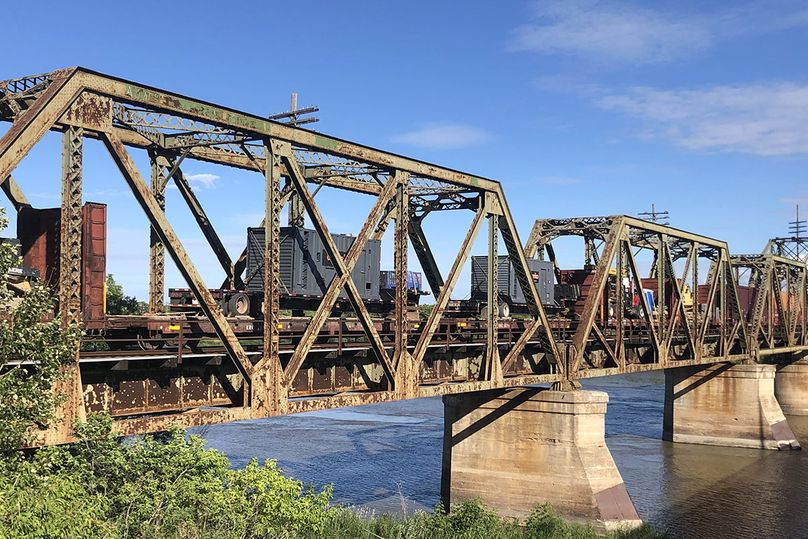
[33, 349]
[425, 310]
[119, 303]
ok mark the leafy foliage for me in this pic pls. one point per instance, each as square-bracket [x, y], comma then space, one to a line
[120, 303]
[28, 333]
[424, 310]
[167, 485]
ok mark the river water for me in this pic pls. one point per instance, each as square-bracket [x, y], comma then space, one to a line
[387, 458]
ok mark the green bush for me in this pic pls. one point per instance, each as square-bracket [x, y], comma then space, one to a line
[166, 486]
[28, 332]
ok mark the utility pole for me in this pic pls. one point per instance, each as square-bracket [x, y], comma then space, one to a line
[296, 215]
[293, 115]
[659, 217]
[797, 230]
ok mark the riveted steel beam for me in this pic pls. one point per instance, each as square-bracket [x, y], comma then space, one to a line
[343, 270]
[32, 123]
[493, 367]
[270, 390]
[420, 245]
[518, 259]
[70, 233]
[157, 271]
[202, 220]
[174, 246]
[595, 296]
[257, 127]
[14, 193]
[400, 265]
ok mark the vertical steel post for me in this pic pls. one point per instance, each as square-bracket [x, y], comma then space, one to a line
[268, 395]
[620, 309]
[697, 353]
[662, 300]
[723, 304]
[406, 372]
[297, 212]
[71, 409]
[402, 215]
[492, 364]
[70, 243]
[159, 171]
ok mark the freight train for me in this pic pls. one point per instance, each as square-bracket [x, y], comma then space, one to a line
[305, 274]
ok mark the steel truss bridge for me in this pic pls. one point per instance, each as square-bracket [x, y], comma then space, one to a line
[219, 369]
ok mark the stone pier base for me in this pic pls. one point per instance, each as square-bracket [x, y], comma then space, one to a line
[725, 405]
[519, 448]
[791, 388]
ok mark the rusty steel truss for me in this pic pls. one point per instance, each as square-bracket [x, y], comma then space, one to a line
[277, 365]
[776, 312]
[602, 337]
[400, 359]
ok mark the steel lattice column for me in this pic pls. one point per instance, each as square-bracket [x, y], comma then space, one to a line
[492, 317]
[157, 268]
[268, 393]
[71, 409]
[297, 212]
[272, 256]
[400, 263]
[70, 242]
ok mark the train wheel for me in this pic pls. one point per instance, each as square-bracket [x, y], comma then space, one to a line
[238, 304]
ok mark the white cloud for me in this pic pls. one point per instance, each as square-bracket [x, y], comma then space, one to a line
[444, 136]
[620, 32]
[761, 119]
[206, 181]
[610, 32]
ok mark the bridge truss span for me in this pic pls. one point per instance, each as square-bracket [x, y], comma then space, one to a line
[270, 368]
[649, 296]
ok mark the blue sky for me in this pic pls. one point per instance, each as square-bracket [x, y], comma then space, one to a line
[578, 107]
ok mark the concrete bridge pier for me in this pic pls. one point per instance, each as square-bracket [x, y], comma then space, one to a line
[728, 405]
[791, 387]
[518, 448]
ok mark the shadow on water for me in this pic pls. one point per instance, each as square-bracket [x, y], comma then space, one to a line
[377, 455]
[373, 455]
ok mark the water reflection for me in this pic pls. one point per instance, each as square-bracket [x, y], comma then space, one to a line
[388, 457]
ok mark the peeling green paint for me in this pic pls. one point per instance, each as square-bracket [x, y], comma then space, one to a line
[325, 142]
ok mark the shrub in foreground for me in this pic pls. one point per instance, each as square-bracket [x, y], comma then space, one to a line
[155, 486]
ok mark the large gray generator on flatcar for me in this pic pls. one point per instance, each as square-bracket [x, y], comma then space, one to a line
[511, 296]
[306, 268]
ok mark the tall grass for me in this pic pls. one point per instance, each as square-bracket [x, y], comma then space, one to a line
[469, 520]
